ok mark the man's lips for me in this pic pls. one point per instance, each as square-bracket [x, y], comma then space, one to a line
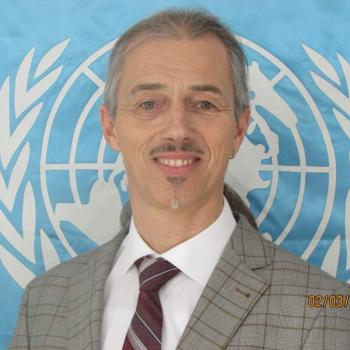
[178, 164]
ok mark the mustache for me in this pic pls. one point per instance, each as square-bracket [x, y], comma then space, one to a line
[173, 147]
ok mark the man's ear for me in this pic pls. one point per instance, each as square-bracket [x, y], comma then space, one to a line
[241, 128]
[108, 128]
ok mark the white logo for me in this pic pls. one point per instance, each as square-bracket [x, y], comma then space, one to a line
[266, 95]
[83, 183]
[15, 155]
[97, 216]
[255, 158]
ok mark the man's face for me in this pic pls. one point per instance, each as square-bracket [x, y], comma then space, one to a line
[175, 122]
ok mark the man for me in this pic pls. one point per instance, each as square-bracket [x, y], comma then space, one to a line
[188, 269]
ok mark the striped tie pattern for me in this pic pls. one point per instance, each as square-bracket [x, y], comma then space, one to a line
[145, 330]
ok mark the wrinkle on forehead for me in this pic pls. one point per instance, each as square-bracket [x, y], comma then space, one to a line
[202, 61]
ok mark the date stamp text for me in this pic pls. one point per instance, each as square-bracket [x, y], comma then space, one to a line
[331, 300]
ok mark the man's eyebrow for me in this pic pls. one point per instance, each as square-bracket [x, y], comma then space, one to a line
[206, 88]
[147, 86]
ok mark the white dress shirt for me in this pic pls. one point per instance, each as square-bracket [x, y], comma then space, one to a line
[196, 258]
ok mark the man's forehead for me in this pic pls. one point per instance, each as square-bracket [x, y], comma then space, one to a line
[173, 51]
[206, 39]
[198, 65]
[163, 87]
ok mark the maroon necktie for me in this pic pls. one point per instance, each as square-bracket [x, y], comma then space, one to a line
[145, 330]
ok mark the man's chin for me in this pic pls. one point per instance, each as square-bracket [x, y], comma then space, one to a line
[176, 180]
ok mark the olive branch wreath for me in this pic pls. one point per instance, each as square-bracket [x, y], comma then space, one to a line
[330, 85]
[14, 149]
[14, 157]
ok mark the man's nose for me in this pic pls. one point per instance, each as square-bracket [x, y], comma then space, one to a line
[178, 127]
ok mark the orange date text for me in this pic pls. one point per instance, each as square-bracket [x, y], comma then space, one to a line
[328, 300]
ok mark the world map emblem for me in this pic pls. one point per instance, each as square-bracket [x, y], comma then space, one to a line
[84, 183]
[286, 159]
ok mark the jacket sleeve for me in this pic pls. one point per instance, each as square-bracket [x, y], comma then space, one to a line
[20, 340]
[331, 328]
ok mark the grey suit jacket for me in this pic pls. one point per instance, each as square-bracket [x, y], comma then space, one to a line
[256, 298]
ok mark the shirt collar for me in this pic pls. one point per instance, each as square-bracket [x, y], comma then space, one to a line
[196, 257]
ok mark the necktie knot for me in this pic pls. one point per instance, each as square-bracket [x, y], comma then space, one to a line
[154, 272]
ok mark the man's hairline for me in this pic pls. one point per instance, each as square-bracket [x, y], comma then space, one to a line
[184, 36]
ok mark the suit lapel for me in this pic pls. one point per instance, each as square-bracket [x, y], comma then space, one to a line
[231, 292]
[86, 297]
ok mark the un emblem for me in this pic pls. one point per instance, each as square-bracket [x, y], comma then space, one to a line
[83, 182]
[281, 166]
[277, 171]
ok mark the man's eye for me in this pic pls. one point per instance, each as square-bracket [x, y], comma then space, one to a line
[148, 105]
[206, 105]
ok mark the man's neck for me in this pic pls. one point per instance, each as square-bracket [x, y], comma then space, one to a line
[165, 228]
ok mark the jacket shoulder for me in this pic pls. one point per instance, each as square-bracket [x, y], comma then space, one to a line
[61, 274]
[293, 271]
[285, 270]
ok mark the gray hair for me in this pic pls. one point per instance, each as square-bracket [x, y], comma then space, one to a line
[178, 24]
